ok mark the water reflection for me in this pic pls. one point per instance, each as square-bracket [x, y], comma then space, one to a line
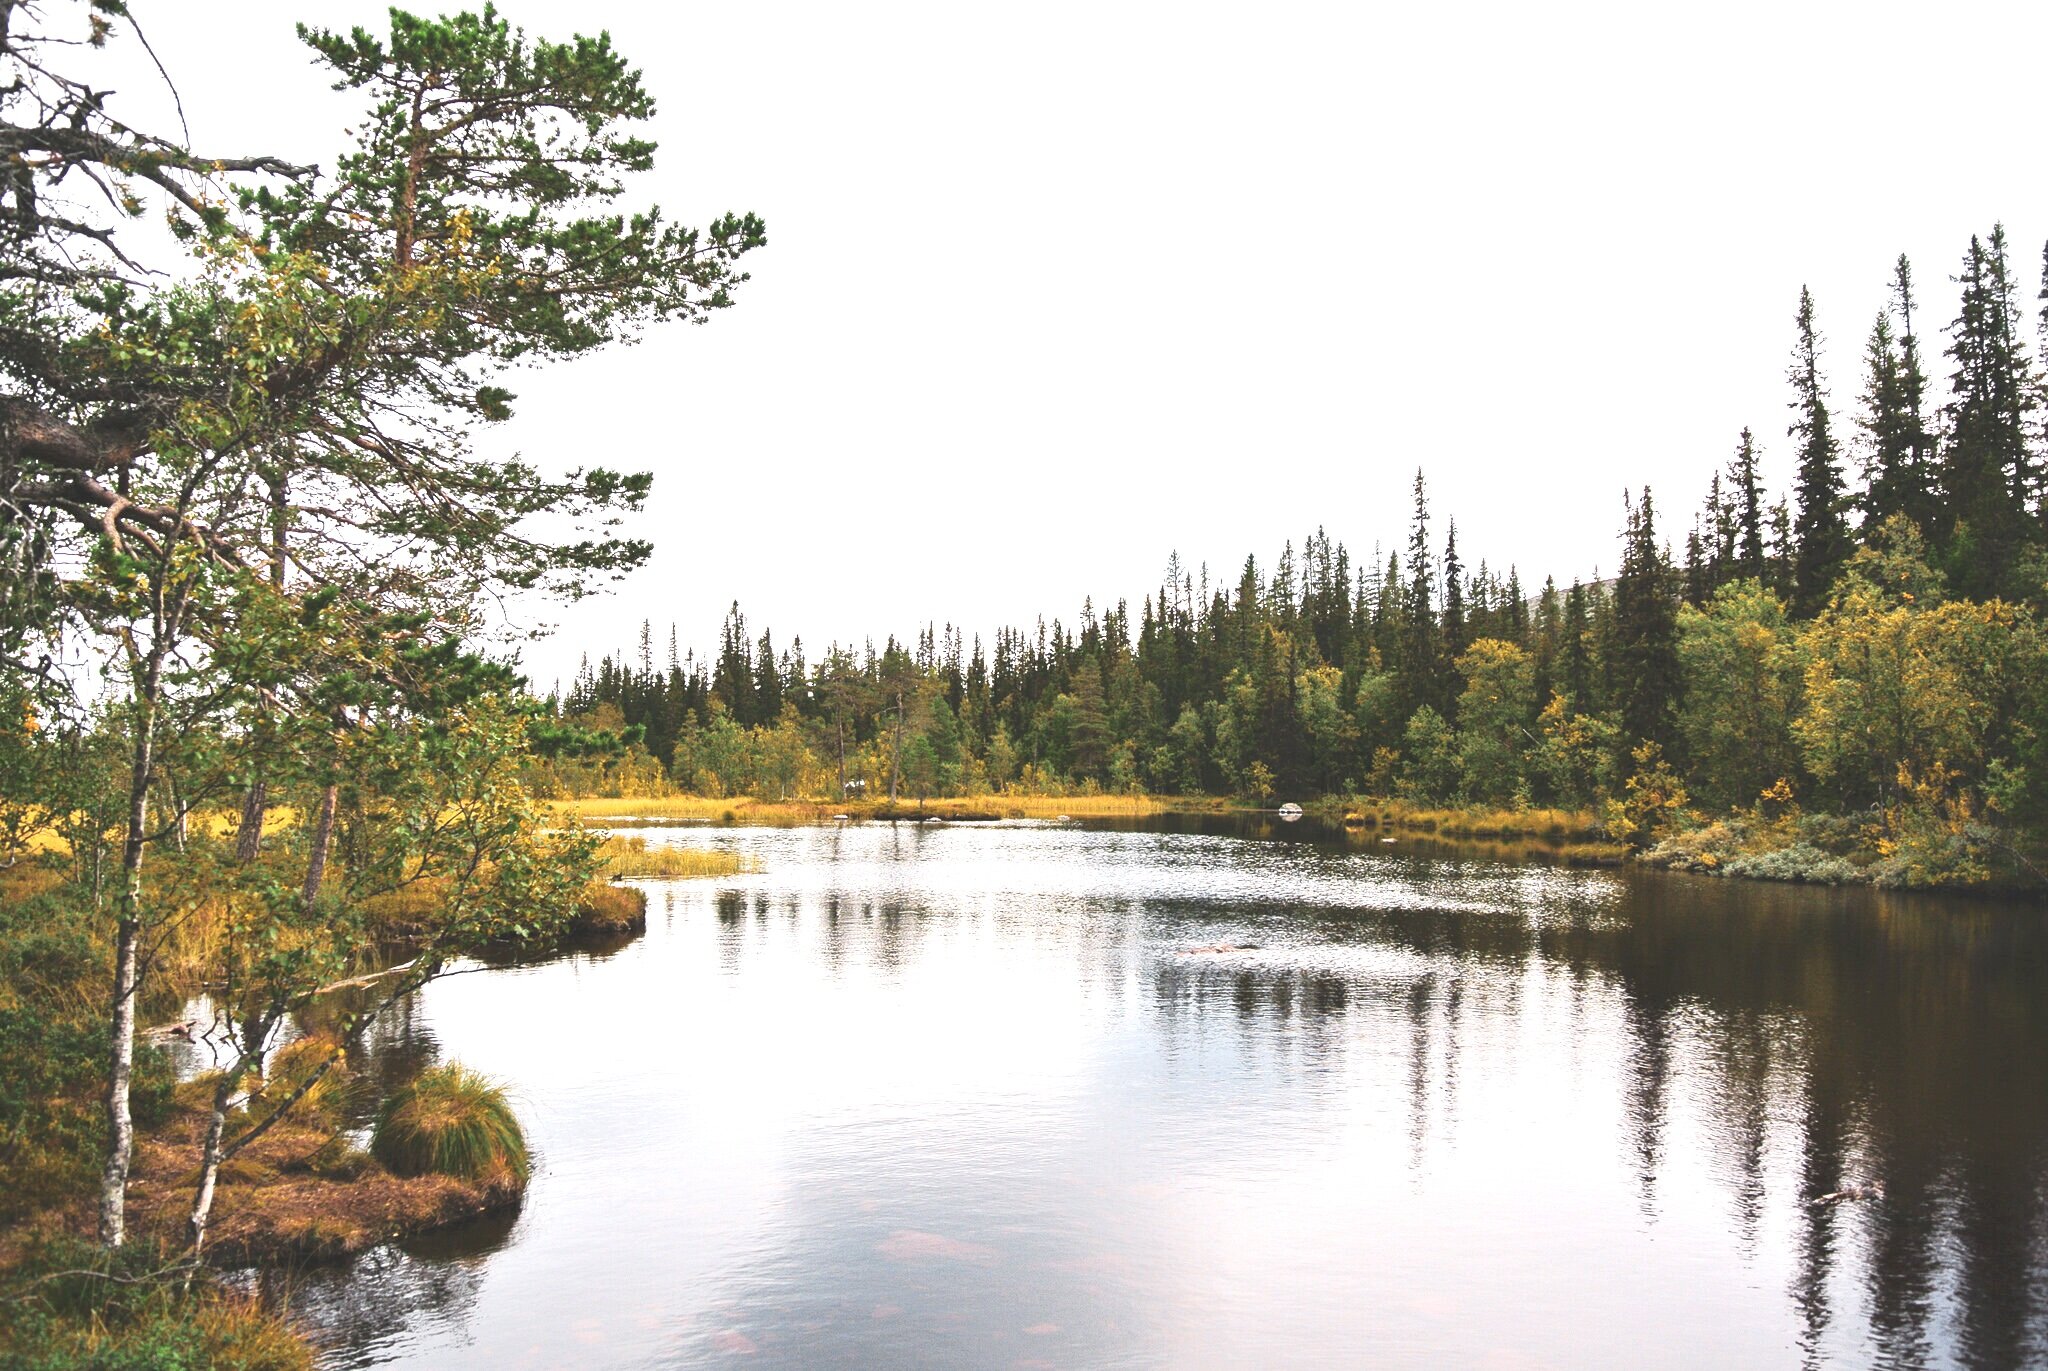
[970, 1096]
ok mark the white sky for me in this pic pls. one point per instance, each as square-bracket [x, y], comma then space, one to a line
[1053, 289]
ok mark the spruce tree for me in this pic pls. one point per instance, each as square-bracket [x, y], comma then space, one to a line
[1454, 624]
[1644, 653]
[1748, 509]
[1576, 649]
[1546, 639]
[1920, 506]
[1987, 467]
[1699, 566]
[1820, 533]
[1889, 480]
[1421, 654]
[1390, 618]
[1778, 549]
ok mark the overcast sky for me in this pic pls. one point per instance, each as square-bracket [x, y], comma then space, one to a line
[1054, 289]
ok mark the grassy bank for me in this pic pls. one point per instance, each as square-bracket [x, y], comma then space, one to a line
[1571, 837]
[1461, 821]
[745, 810]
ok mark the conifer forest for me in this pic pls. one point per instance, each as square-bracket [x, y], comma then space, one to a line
[1851, 669]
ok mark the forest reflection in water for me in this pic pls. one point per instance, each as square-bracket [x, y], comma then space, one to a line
[966, 1096]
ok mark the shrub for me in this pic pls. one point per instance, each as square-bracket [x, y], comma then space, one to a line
[1799, 862]
[450, 1121]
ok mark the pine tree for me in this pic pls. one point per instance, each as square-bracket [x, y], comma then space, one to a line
[1821, 535]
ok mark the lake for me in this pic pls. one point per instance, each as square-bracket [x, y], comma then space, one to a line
[969, 1096]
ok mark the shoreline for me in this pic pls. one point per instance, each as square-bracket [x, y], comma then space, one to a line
[1780, 854]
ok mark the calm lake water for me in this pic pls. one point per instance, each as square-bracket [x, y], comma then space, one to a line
[961, 1096]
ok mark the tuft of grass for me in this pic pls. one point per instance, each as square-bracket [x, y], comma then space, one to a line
[237, 1331]
[628, 857]
[450, 1121]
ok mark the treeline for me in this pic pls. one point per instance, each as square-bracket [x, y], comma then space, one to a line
[1866, 644]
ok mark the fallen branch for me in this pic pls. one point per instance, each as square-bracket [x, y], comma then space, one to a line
[1873, 1191]
[371, 978]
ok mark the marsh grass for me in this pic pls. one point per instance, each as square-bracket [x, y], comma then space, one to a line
[450, 1121]
[789, 813]
[1467, 821]
[629, 857]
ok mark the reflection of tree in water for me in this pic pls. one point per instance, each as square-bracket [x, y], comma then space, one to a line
[1647, 1031]
[1873, 1037]
[1421, 1019]
[397, 1045]
[1922, 1065]
[834, 941]
[430, 1283]
[731, 906]
[889, 936]
[1826, 1038]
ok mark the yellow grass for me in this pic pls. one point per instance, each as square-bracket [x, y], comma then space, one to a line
[631, 857]
[1473, 821]
[217, 823]
[746, 810]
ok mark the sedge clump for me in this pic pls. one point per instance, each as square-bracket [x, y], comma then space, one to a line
[450, 1121]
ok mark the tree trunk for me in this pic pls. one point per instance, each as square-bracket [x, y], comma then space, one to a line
[210, 1154]
[127, 971]
[896, 751]
[249, 837]
[839, 732]
[323, 834]
[182, 829]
